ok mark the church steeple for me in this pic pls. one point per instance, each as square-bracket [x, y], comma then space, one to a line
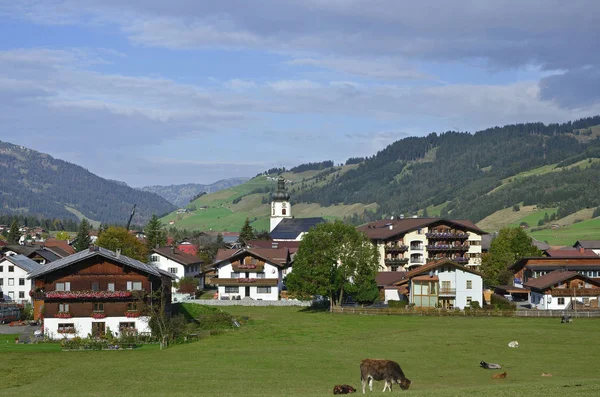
[280, 205]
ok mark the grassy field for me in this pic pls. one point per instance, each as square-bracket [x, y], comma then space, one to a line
[287, 352]
[586, 230]
[533, 218]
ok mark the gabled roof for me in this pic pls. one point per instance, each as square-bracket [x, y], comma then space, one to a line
[588, 244]
[48, 255]
[380, 230]
[291, 228]
[59, 251]
[23, 262]
[291, 245]
[59, 244]
[556, 277]
[426, 268]
[98, 251]
[20, 249]
[279, 257]
[178, 256]
[384, 279]
[572, 253]
[555, 262]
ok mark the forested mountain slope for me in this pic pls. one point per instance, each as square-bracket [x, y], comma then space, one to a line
[36, 184]
[181, 195]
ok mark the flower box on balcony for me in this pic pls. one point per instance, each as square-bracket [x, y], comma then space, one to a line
[132, 313]
[98, 315]
[63, 315]
[86, 295]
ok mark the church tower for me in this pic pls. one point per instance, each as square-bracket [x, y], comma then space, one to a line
[280, 204]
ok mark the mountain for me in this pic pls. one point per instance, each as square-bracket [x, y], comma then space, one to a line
[180, 195]
[499, 176]
[34, 183]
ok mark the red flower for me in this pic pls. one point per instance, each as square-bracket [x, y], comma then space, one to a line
[98, 315]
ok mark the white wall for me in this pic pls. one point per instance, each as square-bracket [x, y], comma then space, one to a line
[474, 249]
[458, 280]
[165, 263]
[271, 272]
[277, 216]
[17, 274]
[414, 236]
[83, 325]
[541, 301]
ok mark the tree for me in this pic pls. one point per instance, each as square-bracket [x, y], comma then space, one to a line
[119, 238]
[164, 325]
[509, 246]
[156, 236]
[209, 250]
[246, 233]
[334, 259]
[62, 236]
[13, 234]
[82, 240]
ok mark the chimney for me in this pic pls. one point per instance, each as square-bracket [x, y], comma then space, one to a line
[581, 249]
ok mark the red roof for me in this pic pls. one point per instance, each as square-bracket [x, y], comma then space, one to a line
[381, 229]
[574, 253]
[426, 268]
[556, 277]
[62, 244]
[190, 249]
[177, 256]
[291, 245]
[388, 278]
[279, 256]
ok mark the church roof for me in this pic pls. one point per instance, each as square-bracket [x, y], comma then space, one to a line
[291, 228]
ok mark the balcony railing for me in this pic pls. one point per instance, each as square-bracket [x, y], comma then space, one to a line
[84, 295]
[396, 261]
[448, 247]
[447, 292]
[447, 235]
[417, 260]
[461, 259]
[396, 248]
[248, 267]
[262, 282]
[417, 247]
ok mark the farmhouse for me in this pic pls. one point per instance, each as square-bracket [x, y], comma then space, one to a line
[534, 267]
[176, 262]
[588, 245]
[559, 288]
[95, 290]
[14, 286]
[442, 283]
[405, 244]
[256, 273]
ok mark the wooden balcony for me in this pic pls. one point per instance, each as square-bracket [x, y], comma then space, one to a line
[447, 235]
[447, 292]
[396, 261]
[448, 247]
[576, 292]
[248, 267]
[396, 248]
[259, 282]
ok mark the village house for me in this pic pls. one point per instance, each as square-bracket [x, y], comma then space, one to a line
[535, 267]
[443, 283]
[559, 288]
[95, 290]
[588, 245]
[405, 244]
[176, 262]
[14, 285]
[256, 273]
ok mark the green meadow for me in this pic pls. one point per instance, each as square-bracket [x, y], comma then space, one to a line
[291, 352]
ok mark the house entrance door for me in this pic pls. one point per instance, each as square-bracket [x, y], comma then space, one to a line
[447, 303]
[98, 329]
[247, 291]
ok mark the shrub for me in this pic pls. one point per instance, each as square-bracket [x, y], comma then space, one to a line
[399, 304]
[501, 303]
[475, 305]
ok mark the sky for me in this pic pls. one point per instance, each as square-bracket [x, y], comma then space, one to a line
[154, 92]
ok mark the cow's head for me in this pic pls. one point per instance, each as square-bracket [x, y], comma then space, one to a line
[404, 384]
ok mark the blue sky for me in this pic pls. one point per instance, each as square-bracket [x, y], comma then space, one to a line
[183, 91]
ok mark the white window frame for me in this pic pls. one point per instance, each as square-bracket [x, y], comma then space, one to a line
[469, 284]
[110, 286]
[21, 294]
[231, 290]
[11, 282]
[173, 270]
[65, 286]
[263, 290]
[235, 274]
[63, 307]
[21, 281]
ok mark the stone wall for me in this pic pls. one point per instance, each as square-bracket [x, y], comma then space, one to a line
[248, 302]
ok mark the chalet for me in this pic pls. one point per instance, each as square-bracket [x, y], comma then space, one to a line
[558, 289]
[14, 285]
[588, 245]
[176, 262]
[405, 244]
[256, 273]
[284, 226]
[442, 283]
[95, 290]
[534, 267]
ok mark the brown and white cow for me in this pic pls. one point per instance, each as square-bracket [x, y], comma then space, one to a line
[390, 371]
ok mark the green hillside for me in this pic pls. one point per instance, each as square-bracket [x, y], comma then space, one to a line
[585, 230]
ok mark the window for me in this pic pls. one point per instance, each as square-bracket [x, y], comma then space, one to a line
[21, 295]
[98, 307]
[154, 258]
[11, 281]
[586, 301]
[235, 275]
[232, 290]
[283, 211]
[11, 269]
[561, 301]
[11, 295]
[1, 269]
[63, 307]
[173, 270]
[253, 261]
[66, 328]
[95, 286]
[1, 281]
[469, 299]
[132, 306]
[134, 286]
[260, 275]
[21, 281]
[66, 286]
[127, 326]
[263, 290]
[469, 284]
[110, 287]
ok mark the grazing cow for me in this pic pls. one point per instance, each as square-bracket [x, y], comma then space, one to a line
[514, 343]
[390, 371]
[500, 376]
[485, 365]
[546, 374]
[566, 319]
[343, 389]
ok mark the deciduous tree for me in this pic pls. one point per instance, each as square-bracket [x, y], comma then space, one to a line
[62, 236]
[115, 238]
[509, 246]
[334, 259]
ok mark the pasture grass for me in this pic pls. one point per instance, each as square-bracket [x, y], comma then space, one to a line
[585, 230]
[291, 352]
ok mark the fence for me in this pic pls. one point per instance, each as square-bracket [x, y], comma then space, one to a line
[465, 313]
[247, 302]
